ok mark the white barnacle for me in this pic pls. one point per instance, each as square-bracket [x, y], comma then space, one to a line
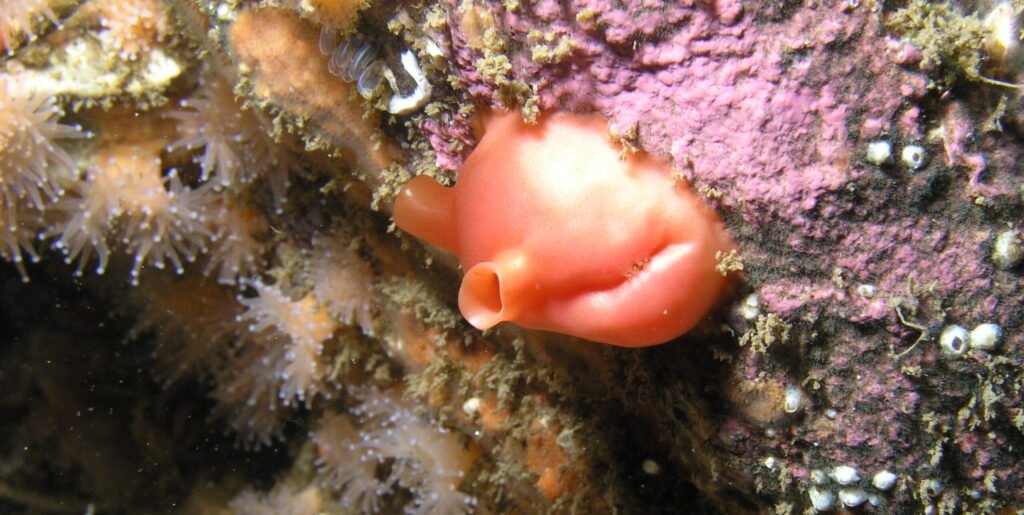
[913, 156]
[819, 477]
[878, 152]
[932, 487]
[1008, 249]
[866, 290]
[954, 340]
[821, 500]
[985, 337]
[852, 497]
[884, 480]
[845, 475]
[794, 399]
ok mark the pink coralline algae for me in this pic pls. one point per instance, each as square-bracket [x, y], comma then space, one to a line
[451, 137]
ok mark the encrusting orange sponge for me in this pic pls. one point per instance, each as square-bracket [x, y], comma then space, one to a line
[556, 232]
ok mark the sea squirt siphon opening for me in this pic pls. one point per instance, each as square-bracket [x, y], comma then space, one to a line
[480, 298]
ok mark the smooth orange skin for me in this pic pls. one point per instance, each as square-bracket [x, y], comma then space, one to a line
[557, 233]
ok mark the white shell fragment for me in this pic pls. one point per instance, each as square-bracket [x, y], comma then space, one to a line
[884, 480]
[954, 341]
[986, 337]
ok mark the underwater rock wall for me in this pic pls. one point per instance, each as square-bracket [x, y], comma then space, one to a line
[203, 284]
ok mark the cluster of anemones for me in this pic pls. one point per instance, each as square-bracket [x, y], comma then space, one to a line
[117, 193]
[32, 165]
[265, 351]
[383, 446]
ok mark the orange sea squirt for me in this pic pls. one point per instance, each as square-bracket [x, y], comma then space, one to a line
[556, 232]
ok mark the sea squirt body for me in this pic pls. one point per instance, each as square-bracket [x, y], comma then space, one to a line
[556, 232]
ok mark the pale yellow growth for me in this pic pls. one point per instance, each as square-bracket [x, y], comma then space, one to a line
[481, 32]
[340, 15]
[728, 262]
[768, 330]
[547, 51]
[475, 22]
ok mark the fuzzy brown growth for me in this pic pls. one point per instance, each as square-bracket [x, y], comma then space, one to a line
[280, 53]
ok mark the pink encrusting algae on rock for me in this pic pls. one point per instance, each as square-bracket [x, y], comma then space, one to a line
[758, 110]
